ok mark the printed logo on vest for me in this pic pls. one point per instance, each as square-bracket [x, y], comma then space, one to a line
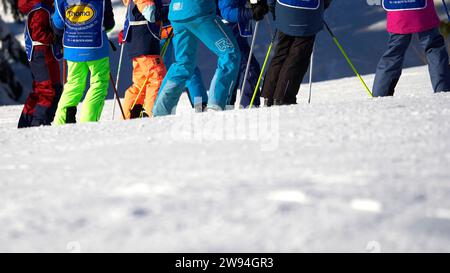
[300, 4]
[403, 5]
[80, 14]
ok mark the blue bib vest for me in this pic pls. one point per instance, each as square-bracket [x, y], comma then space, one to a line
[83, 24]
[399, 5]
[131, 20]
[300, 4]
[30, 44]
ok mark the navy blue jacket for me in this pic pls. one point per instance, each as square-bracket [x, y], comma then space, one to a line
[296, 21]
[234, 10]
[141, 41]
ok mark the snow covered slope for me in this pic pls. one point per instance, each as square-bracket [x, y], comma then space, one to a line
[345, 173]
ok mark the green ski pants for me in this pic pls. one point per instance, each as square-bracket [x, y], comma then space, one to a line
[76, 85]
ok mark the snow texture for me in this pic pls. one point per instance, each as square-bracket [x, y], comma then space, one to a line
[345, 173]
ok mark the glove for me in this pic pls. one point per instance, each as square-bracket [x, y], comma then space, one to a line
[149, 13]
[259, 10]
[166, 32]
[120, 38]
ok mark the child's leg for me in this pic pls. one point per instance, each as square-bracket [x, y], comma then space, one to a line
[185, 46]
[437, 56]
[96, 95]
[156, 71]
[219, 39]
[197, 91]
[195, 87]
[55, 75]
[253, 74]
[294, 69]
[73, 92]
[390, 66]
[37, 110]
[26, 117]
[140, 72]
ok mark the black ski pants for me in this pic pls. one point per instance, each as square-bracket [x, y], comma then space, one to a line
[287, 68]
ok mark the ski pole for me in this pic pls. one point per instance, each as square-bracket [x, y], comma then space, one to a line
[122, 46]
[446, 9]
[336, 41]
[116, 94]
[249, 61]
[311, 66]
[64, 71]
[166, 44]
[269, 50]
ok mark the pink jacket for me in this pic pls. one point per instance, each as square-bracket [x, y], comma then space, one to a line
[413, 21]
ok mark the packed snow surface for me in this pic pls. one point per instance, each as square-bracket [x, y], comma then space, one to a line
[345, 173]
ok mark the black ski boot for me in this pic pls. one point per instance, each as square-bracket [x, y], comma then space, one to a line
[71, 115]
[277, 102]
[136, 111]
[144, 114]
[268, 102]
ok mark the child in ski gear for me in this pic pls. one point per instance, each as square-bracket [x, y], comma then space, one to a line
[142, 35]
[196, 90]
[238, 15]
[86, 48]
[404, 20]
[40, 106]
[192, 19]
[298, 22]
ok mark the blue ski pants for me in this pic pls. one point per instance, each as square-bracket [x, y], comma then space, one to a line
[195, 87]
[390, 66]
[218, 38]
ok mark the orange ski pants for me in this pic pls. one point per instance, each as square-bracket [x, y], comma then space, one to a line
[148, 74]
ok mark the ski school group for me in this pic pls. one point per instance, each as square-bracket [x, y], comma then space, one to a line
[161, 38]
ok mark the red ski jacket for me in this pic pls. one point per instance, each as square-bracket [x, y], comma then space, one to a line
[38, 21]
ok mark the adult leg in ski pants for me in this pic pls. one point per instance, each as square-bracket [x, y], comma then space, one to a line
[390, 66]
[287, 68]
[74, 89]
[195, 87]
[218, 38]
